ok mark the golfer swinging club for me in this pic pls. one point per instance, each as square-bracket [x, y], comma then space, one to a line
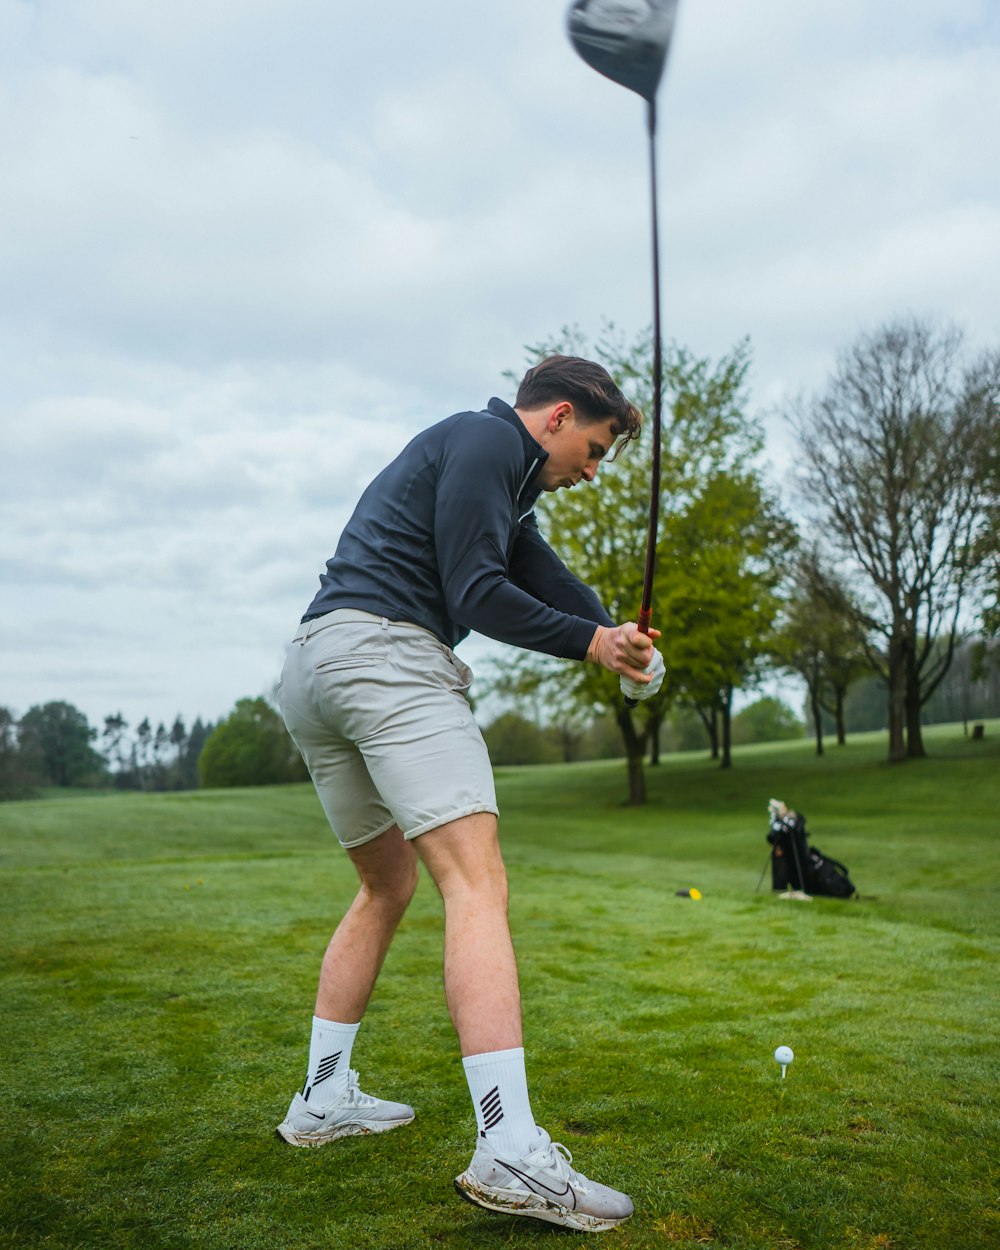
[442, 542]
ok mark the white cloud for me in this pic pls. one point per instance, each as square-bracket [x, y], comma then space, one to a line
[247, 249]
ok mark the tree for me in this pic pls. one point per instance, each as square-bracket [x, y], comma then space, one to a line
[18, 779]
[114, 748]
[727, 550]
[250, 748]
[766, 720]
[820, 639]
[893, 458]
[141, 752]
[513, 739]
[55, 739]
[971, 690]
[188, 761]
[986, 545]
[707, 437]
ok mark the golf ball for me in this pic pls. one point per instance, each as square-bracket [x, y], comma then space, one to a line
[783, 1054]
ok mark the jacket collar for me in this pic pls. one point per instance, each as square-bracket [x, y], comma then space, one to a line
[534, 454]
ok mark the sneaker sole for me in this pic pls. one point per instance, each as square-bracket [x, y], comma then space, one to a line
[295, 1138]
[511, 1202]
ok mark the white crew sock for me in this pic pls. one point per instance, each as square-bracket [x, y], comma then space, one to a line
[499, 1090]
[329, 1061]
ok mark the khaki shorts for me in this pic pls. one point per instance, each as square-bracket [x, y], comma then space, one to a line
[379, 711]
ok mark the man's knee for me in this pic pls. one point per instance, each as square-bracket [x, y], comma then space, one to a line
[387, 868]
[464, 856]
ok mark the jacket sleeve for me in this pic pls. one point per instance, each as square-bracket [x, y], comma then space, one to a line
[477, 487]
[536, 568]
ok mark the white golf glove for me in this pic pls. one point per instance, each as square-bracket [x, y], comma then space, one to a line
[638, 690]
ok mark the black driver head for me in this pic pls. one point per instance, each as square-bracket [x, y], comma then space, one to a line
[625, 40]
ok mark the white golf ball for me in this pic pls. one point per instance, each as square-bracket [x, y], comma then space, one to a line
[783, 1055]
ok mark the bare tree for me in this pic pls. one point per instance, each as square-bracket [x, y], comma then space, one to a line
[891, 460]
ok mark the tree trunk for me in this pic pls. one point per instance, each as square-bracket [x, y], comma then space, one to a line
[709, 717]
[633, 758]
[914, 731]
[897, 699]
[838, 695]
[727, 728]
[817, 715]
[653, 727]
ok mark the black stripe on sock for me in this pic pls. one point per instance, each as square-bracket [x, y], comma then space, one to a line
[326, 1068]
[491, 1108]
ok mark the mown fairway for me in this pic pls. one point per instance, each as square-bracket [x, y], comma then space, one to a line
[160, 962]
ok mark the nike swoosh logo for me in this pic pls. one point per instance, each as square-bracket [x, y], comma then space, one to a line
[543, 1191]
[316, 1116]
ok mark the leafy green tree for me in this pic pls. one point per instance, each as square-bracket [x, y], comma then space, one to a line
[18, 779]
[709, 445]
[727, 553]
[188, 762]
[55, 739]
[251, 747]
[514, 739]
[766, 720]
[685, 730]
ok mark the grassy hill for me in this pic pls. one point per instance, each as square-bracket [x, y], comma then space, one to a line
[160, 964]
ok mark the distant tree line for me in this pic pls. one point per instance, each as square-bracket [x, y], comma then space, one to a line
[514, 738]
[147, 758]
[968, 692]
[54, 745]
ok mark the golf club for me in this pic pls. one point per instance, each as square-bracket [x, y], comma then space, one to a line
[627, 41]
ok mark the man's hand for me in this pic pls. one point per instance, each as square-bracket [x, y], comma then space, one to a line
[656, 670]
[624, 650]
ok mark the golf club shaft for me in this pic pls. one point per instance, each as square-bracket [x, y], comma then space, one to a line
[646, 605]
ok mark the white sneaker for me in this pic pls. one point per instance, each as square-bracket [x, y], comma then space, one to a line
[354, 1113]
[543, 1186]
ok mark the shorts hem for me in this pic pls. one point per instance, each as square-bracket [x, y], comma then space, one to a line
[369, 837]
[438, 821]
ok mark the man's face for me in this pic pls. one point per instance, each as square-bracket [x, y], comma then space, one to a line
[575, 450]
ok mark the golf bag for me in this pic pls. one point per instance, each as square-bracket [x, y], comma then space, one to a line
[795, 865]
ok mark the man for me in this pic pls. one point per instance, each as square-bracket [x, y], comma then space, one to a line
[444, 541]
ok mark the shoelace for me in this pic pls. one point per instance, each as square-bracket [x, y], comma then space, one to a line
[354, 1095]
[559, 1159]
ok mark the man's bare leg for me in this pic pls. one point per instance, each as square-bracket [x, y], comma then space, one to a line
[480, 971]
[330, 1105]
[480, 974]
[387, 868]
[482, 987]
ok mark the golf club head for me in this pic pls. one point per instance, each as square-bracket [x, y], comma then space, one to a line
[625, 40]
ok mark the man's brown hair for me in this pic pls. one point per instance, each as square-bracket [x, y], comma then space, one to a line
[588, 387]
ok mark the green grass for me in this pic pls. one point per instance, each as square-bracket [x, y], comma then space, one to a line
[160, 961]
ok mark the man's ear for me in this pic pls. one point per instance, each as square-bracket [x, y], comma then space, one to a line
[559, 415]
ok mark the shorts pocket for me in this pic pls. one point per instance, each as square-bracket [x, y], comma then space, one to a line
[357, 659]
[453, 674]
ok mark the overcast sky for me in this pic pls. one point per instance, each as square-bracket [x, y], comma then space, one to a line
[249, 247]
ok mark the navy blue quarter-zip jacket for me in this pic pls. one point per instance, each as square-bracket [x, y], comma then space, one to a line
[445, 538]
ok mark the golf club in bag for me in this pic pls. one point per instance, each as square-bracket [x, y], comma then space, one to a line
[797, 868]
[627, 41]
